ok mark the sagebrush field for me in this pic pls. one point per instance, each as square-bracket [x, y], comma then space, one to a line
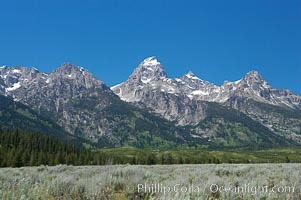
[122, 181]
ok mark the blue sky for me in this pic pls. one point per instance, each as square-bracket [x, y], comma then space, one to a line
[217, 40]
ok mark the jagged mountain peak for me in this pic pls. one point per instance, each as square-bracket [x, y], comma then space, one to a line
[34, 69]
[190, 75]
[16, 69]
[13, 72]
[148, 70]
[17, 81]
[253, 75]
[254, 80]
[67, 65]
[33, 72]
[70, 70]
[150, 77]
[76, 75]
[66, 68]
[250, 80]
[84, 105]
[151, 61]
[3, 67]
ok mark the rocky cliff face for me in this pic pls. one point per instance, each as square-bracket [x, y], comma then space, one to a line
[283, 121]
[151, 77]
[84, 106]
[185, 99]
[253, 86]
[149, 87]
[57, 95]
[245, 112]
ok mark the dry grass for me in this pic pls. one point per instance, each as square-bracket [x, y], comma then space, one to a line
[121, 181]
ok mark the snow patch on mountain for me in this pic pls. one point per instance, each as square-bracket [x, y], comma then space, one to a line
[151, 61]
[14, 87]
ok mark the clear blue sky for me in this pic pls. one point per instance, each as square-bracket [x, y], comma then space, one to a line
[217, 40]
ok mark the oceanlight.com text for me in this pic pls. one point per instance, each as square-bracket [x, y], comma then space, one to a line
[214, 188]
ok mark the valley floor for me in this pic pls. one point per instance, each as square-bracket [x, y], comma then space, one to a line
[206, 181]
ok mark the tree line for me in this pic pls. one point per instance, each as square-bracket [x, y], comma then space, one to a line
[18, 148]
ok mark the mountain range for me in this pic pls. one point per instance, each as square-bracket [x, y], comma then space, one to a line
[151, 110]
